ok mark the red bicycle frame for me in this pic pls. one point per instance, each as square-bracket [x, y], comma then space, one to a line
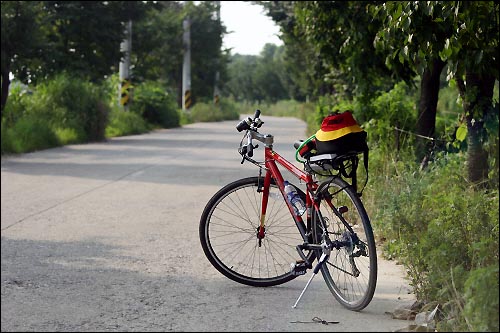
[272, 171]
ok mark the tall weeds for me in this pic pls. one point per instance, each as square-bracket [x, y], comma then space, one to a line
[445, 232]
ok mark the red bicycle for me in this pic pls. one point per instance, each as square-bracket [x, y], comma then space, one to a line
[252, 234]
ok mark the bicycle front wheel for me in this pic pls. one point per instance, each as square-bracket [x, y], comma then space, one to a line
[228, 234]
[351, 269]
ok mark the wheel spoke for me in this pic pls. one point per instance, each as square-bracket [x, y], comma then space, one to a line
[350, 272]
[229, 235]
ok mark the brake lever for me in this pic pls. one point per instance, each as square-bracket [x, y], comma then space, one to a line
[244, 151]
[251, 147]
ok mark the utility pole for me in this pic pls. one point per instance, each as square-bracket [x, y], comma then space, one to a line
[217, 74]
[125, 82]
[186, 67]
[216, 89]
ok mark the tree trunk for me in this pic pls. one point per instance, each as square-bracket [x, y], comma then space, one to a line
[477, 95]
[426, 121]
[5, 89]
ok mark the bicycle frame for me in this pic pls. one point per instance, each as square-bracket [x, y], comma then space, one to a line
[271, 157]
[272, 171]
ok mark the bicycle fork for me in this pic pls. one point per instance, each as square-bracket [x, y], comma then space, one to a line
[261, 230]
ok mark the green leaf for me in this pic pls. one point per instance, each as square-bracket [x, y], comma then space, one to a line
[397, 14]
[401, 58]
[407, 22]
[461, 133]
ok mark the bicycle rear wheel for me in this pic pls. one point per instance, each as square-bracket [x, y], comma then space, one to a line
[351, 270]
[228, 234]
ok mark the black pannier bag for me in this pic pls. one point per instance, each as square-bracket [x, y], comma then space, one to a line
[341, 137]
[340, 134]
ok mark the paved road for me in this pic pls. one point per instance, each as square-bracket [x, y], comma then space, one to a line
[104, 237]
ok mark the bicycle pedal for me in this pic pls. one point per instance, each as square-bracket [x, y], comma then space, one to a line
[299, 267]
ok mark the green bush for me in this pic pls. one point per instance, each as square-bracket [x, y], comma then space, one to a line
[379, 117]
[6, 144]
[66, 136]
[16, 106]
[28, 134]
[229, 110]
[441, 228]
[151, 101]
[395, 108]
[481, 299]
[66, 108]
[331, 103]
[110, 88]
[203, 112]
[125, 123]
[207, 112]
[23, 131]
[290, 108]
[13, 111]
[69, 102]
[449, 111]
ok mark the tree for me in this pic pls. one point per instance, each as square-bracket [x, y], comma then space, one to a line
[84, 36]
[367, 46]
[240, 84]
[157, 53]
[473, 53]
[304, 70]
[207, 56]
[465, 34]
[20, 39]
[258, 78]
[342, 33]
[157, 46]
[266, 76]
[44, 38]
[412, 35]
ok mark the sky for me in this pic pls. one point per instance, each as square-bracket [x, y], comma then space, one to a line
[252, 29]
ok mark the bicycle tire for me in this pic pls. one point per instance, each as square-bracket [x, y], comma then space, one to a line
[228, 234]
[353, 292]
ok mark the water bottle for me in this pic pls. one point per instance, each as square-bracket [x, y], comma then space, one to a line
[294, 199]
